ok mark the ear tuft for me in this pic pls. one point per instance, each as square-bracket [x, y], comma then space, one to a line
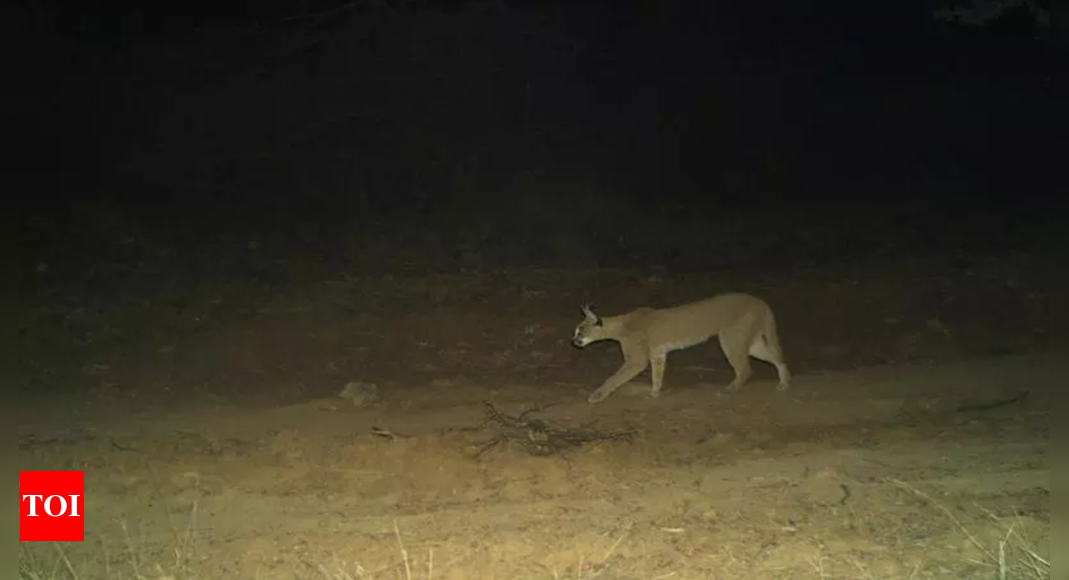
[588, 311]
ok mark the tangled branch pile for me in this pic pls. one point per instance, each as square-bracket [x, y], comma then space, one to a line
[540, 438]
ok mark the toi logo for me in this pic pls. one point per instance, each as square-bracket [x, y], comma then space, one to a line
[52, 506]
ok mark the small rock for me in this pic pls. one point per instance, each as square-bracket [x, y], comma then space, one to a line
[361, 394]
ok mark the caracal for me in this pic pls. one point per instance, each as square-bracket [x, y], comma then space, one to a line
[744, 323]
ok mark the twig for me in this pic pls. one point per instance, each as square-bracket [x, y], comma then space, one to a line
[404, 552]
[943, 508]
[539, 437]
[612, 549]
[993, 405]
[66, 561]
[120, 447]
[846, 494]
[387, 434]
[532, 409]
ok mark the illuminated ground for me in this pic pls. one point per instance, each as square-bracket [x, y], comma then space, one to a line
[207, 425]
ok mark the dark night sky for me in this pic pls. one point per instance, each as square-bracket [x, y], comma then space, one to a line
[840, 36]
[778, 94]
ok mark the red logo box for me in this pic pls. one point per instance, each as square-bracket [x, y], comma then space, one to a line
[52, 506]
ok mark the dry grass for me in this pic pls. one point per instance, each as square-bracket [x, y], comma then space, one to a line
[1015, 557]
[1011, 555]
[137, 563]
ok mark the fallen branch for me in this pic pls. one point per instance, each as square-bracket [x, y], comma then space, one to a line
[994, 404]
[540, 438]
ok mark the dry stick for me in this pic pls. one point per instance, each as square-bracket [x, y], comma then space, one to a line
[862, 570]
[994, 404]
[1002, 568]
[130, 547]
[1039, 565]
[1002, 559]
[191, 529]
[66, 561]
[404, 552]
[536, 409]
[817, 562]
[107, 557]
[946, 511]
[612, 549]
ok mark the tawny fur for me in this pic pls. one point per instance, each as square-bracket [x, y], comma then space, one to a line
[744, 323]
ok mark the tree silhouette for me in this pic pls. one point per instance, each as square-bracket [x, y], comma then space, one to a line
[982, 12]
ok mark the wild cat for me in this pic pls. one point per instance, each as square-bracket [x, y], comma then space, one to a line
[744, 323]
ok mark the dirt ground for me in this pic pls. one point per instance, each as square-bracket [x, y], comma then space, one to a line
[215, 444]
